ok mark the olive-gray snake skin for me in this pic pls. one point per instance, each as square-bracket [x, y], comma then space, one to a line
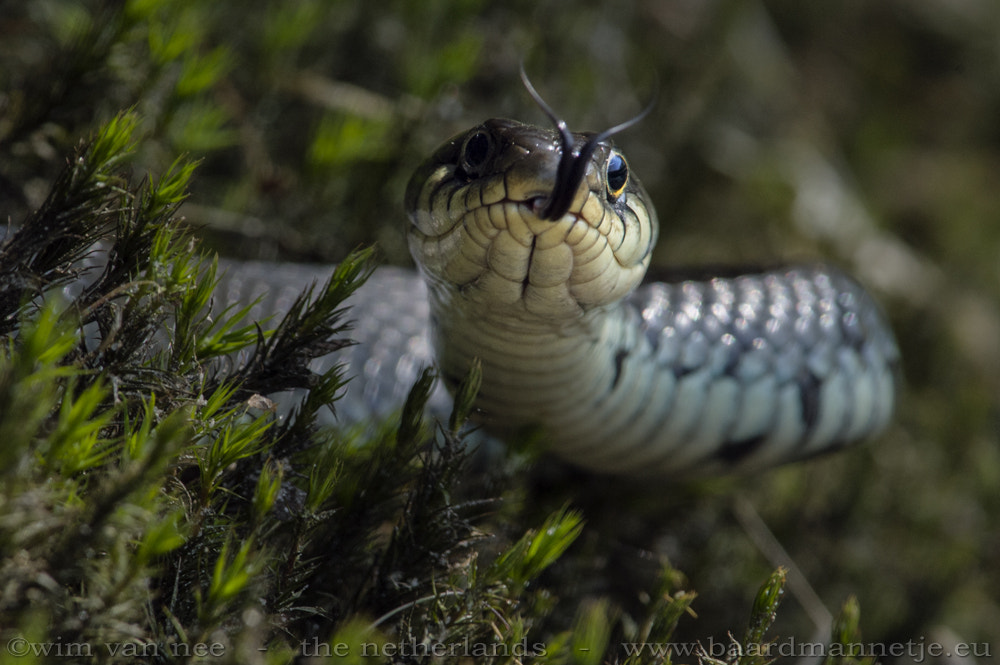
[532, 244]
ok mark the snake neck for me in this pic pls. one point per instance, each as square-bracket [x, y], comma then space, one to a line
[530, 362]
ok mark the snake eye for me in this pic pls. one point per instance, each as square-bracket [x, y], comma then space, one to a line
[616, 175]
[476, 152]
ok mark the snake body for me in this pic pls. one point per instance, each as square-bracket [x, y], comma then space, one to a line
[532, 244]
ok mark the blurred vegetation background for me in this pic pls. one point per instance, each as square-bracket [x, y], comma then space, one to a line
[866, 134]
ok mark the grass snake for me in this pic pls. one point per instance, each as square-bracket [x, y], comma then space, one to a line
[532, 245]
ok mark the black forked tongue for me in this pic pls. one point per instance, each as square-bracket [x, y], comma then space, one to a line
[572, 161]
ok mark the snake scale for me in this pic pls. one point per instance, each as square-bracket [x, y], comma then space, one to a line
[532, 244]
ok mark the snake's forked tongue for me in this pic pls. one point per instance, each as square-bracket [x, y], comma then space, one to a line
[572, 162]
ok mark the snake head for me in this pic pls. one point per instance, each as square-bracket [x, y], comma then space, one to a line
[542, 219]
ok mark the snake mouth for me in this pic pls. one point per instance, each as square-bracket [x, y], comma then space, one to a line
[538, 205]
[506, 253]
